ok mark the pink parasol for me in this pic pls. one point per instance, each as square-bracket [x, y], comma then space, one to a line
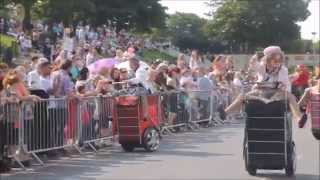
[97, 66]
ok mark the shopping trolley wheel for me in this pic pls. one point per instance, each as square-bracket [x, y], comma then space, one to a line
[127, 147]
[151, 139]
[5, 165]
[250, 169]
[316, 133]
[291, 164]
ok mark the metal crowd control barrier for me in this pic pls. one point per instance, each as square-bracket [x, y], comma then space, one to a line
[49, 124]
[175, 109]
[96, 120]
[11, 136]
[29, 128]
[190, 109]
[200, 108]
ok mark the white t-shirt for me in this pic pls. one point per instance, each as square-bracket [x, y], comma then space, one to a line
[45, 83]
[68, 44]
[282, 76]
[140, 76]
[33, 79]
[237, 82]
[90, 59]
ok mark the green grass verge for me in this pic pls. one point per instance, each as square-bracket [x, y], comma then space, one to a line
[152, 55]
[6, 41]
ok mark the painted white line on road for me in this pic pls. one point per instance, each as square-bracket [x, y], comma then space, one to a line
[299, 156]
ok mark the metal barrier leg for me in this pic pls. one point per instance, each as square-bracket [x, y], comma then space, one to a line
[92, 147]
[165, 130]
[77, 148]
[19, 162]
[37, 159]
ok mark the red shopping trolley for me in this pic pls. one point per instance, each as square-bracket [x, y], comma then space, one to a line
[134, 129]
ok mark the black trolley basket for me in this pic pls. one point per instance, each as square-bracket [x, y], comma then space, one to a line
[268, 140]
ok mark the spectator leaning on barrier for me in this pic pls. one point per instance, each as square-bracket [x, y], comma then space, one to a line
[45, 77]
[173, 77]
[22, 72]
[139, 72]
[204, 85]
[14, 85]
[62, 84]
[33, 77]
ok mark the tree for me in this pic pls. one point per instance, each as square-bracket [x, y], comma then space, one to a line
[316, 46]
[27, 5]
[186, 31]
[67, 11]
[256, 23]
[139, 14]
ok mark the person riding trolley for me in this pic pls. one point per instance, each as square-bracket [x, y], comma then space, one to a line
[271, 69]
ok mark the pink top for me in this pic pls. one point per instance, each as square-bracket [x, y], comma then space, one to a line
[314, 110]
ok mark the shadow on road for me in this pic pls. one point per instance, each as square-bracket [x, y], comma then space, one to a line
[90, 165]
[279, 176]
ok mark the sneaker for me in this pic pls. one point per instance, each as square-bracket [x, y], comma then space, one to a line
[303, 120]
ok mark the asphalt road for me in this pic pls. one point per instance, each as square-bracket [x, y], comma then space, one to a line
[212, 153]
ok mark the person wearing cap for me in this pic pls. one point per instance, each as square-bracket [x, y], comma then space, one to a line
[271, 69]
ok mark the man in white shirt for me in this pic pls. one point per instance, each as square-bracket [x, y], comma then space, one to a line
[33, 77]
[139, 73]
[45, 79]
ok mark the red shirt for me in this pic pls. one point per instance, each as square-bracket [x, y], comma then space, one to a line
[301, 79]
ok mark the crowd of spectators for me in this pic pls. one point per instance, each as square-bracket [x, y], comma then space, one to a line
[49, 39]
